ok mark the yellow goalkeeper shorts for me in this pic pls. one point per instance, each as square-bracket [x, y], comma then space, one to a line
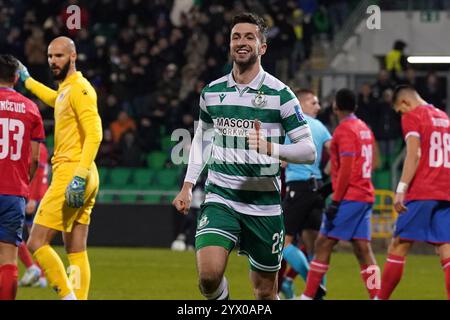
[53, 211]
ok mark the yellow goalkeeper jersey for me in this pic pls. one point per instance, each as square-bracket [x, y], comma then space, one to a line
[78, 127]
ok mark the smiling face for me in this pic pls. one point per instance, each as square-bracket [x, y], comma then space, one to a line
[246, 44]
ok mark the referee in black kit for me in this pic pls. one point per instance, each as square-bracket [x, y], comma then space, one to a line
[303, 203]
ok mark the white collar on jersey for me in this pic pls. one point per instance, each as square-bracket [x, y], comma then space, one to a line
[255, 84]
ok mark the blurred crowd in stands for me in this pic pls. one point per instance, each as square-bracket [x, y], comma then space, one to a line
[149, 60]
[375, 106]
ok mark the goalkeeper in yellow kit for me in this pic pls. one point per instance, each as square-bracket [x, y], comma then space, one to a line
[68, 202]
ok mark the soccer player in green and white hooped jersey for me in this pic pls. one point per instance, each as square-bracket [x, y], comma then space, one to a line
[243, 206]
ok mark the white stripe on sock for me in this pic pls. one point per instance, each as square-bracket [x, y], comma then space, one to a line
[319, 265]
[221, 292]
[395, 261]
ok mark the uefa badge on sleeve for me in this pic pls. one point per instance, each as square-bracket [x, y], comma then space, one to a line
[299, 114]
[259, 100]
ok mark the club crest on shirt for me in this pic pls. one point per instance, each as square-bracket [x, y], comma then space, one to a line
[203, 222]
[61, 95]
[74, 184]
[259, 100]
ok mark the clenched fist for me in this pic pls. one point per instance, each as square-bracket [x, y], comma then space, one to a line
[182, 201]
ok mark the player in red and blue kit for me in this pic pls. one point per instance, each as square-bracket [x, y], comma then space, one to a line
[348, 216]
[21, 130]
[34, 275]
[422, 197]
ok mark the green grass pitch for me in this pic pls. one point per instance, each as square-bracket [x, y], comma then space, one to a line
[141, 273]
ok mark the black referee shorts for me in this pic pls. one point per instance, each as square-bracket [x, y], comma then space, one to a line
[302, 207]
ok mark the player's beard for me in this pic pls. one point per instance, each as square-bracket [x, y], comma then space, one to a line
[245, 64]
[62, 73]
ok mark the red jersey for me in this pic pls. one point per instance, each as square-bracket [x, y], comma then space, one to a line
[20, 123]
[432, 178]
[39, 184]
[353, 138]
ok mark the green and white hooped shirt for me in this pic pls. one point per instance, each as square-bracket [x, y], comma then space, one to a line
[240, 178]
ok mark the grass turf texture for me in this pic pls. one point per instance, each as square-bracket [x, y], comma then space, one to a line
[141, 273]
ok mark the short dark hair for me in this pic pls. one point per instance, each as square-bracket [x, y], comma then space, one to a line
[346, 100]
[248, 17]
[8, 68]
[399, 45]
[398, 89]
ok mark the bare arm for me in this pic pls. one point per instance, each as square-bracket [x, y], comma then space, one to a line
[327, 169]
[411, 159]
[409, 170]
[376, 157]
[327, 146]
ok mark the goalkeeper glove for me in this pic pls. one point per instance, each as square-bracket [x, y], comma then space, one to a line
[75, 192]
[23, 72]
